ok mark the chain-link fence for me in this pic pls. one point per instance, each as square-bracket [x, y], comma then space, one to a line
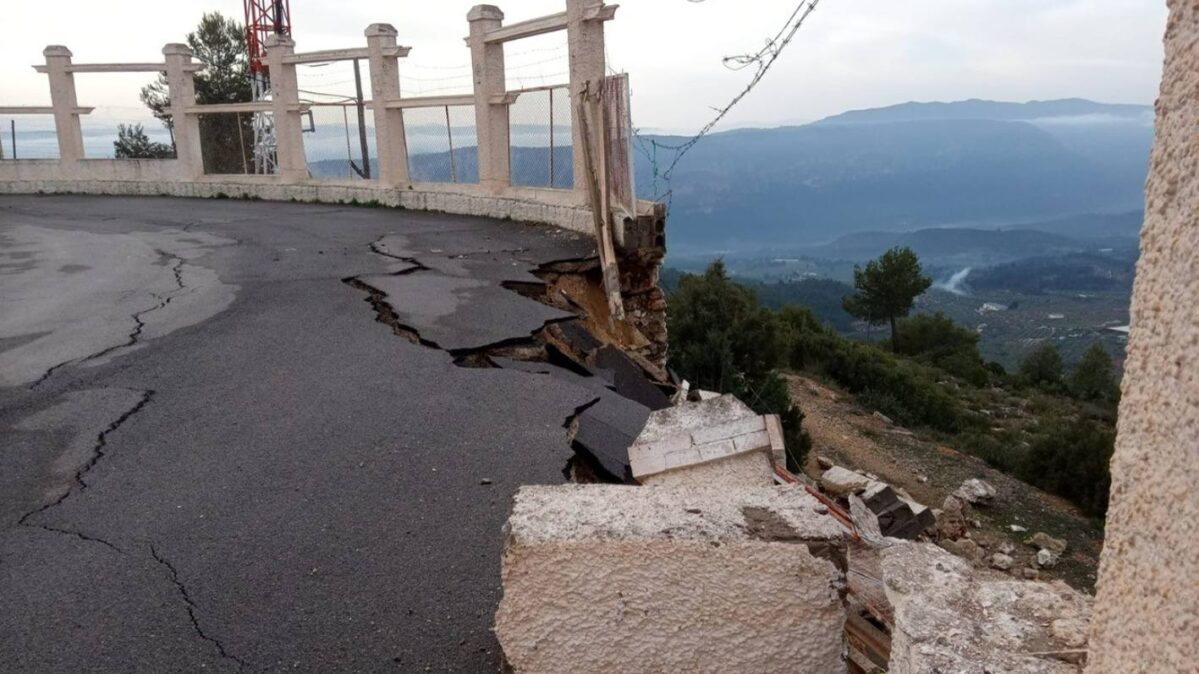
[28, 137]
[539, 131]
[443, 144]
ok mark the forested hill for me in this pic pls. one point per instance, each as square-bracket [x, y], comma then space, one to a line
[970, 163]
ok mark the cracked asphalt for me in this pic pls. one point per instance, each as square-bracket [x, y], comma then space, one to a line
[214, 457]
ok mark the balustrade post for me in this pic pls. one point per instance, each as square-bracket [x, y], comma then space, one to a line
[185, 127]
[62, 97]
[390, 140]
[491, 119]
[290, 163]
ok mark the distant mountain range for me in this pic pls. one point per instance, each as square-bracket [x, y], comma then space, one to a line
[972, 163]
[966, 246]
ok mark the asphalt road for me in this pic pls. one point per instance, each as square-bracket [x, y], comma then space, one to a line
[214, 457]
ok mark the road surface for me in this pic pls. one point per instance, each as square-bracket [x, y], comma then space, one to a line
[214, 457]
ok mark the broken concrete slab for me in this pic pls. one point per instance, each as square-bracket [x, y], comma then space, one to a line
[721, 438]
[607, 578]
[897, 517]
[950, 617]
[838, 481]
[457, 313]
[603, 432]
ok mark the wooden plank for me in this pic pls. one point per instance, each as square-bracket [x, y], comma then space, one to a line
[430, 101]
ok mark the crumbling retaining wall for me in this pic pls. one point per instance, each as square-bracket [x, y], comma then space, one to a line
[1147, 606]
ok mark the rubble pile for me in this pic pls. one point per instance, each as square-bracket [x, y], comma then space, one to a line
[951, 617]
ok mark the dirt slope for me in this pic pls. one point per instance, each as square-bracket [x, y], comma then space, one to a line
[853, 437]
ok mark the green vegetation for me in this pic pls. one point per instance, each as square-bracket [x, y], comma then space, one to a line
[226, 141]
[133, 143]
[1042, 368]
[887, 288]
[1050, 432]
[724, 340]
[1094, 377]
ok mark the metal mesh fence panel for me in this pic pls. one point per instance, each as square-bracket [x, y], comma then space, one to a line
[227, 143]
[28, 137]
[442, 144]
[333, 142]
[539, 128]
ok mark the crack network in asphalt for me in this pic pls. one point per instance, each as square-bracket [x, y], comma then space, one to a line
[139, 324]
[98, 452]
[190, 605]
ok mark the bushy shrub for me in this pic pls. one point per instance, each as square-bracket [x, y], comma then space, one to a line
[722, 339]
[1071, 459]
[937, 340]
[1042, 368]
[1093, 377]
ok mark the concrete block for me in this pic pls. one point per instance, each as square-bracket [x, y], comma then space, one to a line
[610, 578]
[679, 440]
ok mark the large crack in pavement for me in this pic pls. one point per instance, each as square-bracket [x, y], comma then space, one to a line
[190, 606]
[578, 343]
[163, 299]
[79, 484]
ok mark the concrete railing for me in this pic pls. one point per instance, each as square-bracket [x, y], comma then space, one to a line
[494, 194]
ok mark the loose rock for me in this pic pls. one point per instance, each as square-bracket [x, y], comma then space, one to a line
[1044, 541]
[975, 491]
[1001, 561]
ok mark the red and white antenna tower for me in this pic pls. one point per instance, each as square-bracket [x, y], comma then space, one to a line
[264, 18]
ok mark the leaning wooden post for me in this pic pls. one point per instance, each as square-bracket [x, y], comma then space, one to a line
[491, 119]
[62, 97]
[291, 164]
[181, 87]
[390, 141]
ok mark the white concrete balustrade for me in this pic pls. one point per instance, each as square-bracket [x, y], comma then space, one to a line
[494, 195]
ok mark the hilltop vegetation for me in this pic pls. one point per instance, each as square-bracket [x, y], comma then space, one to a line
[1048, 424]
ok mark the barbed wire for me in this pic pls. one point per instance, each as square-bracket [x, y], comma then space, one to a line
[764, 58]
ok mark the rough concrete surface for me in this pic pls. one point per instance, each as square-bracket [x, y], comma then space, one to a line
[611, 578]
[271, 479]
[1147, 608]
[950, 617]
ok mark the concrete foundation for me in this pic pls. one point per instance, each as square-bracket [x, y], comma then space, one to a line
[605, 578]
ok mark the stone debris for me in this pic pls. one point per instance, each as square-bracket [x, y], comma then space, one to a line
[1044, 541]
[1047, 559]
[975, 492]
[1002, 561]
[890, 514]
[838, 481]
[882, 417]
[612, 578]
[714, 441]
[950, 617]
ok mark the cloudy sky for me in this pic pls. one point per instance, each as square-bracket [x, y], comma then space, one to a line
[851, 53]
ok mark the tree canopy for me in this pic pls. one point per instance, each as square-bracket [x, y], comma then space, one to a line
[226, 140]
[887, 288]
[1042, 367]
[1094, 376]
[133, 143]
